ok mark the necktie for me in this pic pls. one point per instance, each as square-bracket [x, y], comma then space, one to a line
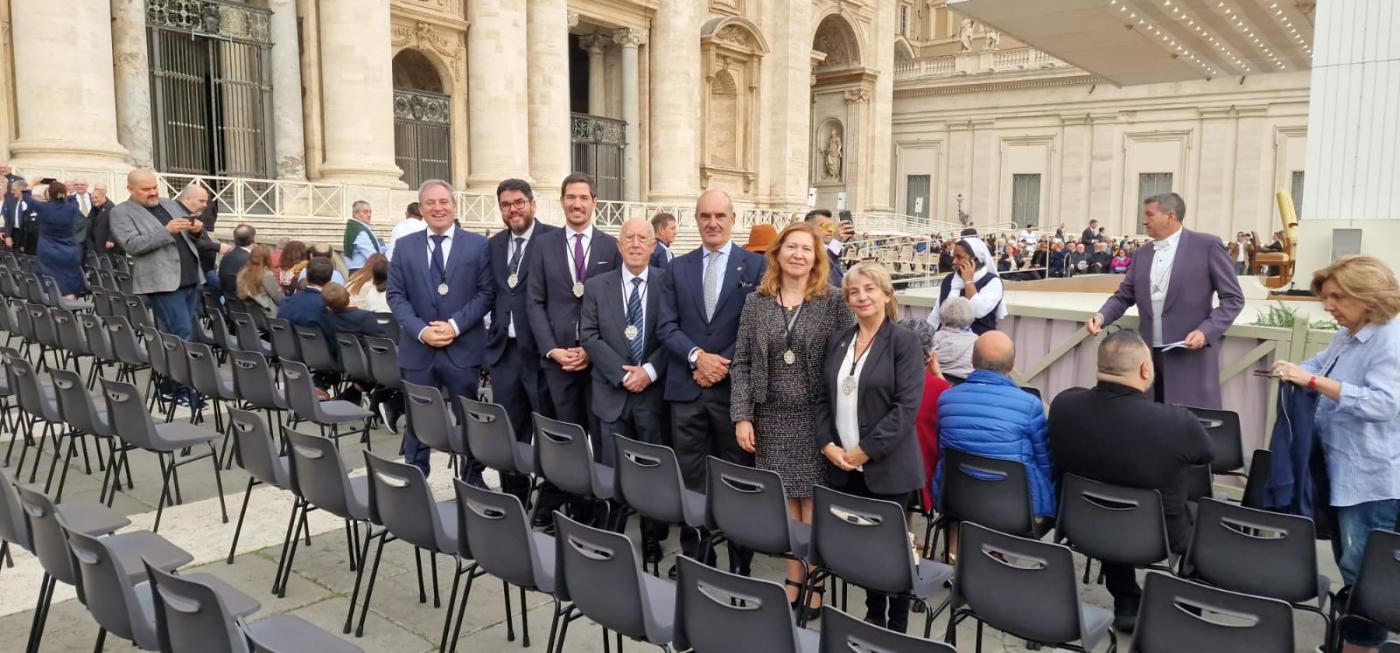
[514, 264]
[711, 284]
[83, 205]
[580, 265]
[634, 319]
[439, 271]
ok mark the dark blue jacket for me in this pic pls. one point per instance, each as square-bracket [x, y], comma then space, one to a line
[414, 299]
[681, 324]
[1297, 475]
[989, 415]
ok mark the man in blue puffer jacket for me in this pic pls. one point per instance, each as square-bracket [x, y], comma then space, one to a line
[989, 415]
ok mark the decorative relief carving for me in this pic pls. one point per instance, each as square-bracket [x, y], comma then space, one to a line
[425, 37]
[628, 37]
[422, 108]
[833, 151]
[836, 40]
[230, 19]
[857, 96]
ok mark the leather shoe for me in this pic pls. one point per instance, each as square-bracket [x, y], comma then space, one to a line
[651, 552]
[672, 573]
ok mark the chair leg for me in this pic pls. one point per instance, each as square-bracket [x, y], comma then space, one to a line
[418, 562]
[472, 572]
[350, 544]
[247, 494]
[451, 603]
[510, 621]
[437, 596]
[369, 589]
[553, 627]
[524, 620]
[101, 639]
[41, 613]
[166, 472]
[292, 554]
[219, 482]
[370, 535]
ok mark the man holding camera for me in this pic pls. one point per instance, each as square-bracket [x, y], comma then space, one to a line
[160, 237]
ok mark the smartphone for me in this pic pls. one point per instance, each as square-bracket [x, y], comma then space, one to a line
[1264, 373]
[846, 217]
[47, 180]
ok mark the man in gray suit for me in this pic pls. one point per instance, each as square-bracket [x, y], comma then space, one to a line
[160, 238]
[1172, 281]
[617, 328]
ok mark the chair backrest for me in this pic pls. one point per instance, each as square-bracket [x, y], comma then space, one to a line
[127, 415]
[203, 369]
[1254, 551]
[842, 633]
[98, 342]
[318, 473]
[26, 387]
[649, 479]
[49, 544]
[109, 596]
[101, 300]
[257, 452]
[74, 402]
[1179, 615]
[246, 331]
[155, 352]
[136, 309]
[24, 321]
[431, 419]
[1376, 593]
[175, 361]
[719, 611]
[1112, 522]
[70, 333]
[125, 344]
[564, 454]
[389, 323]
[300, 390]
[1223, 429]
[190, 616]
[489, 434]
[45, 331]
[493, 530]
[253, 380]
[400, 497]
[284, 339]
[842, 523]
[315, 350]
[1256, 486]
[218, 327]
[597, 570]
[1018, 585]
[352, 357]
[14, 528]
[989, 491]
[748, 506]
[384, 361]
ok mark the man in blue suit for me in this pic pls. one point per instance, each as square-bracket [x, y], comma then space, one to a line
[511, 354]
[698, 320]
[440, 287]
[663, 225]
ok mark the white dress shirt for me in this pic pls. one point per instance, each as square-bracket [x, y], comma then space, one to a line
[847, 405]
[835, 247]
[510, 251]
[1160, 276]
[408, 226]
[569, 240]
[627, 278]
[446, 252]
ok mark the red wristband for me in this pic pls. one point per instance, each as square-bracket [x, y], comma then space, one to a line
[1312, 382]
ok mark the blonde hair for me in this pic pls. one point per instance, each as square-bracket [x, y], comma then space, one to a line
[818, 281]
[876, 272]
[1367, 279]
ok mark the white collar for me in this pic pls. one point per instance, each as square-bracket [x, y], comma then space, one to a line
[627, 275]
[570, 232]
[1172, 240]
[722, 249]
[451, 231]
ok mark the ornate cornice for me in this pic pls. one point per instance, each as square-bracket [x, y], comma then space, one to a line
[962, 89]
[424, 36]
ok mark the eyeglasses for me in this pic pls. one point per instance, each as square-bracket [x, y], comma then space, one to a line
[517, 204]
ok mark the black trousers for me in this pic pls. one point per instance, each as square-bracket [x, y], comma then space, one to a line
[1159, 387]
[880, 608]
[699, 429]
[517, 387]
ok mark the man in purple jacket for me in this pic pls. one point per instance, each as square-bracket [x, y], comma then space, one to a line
[1171, 280]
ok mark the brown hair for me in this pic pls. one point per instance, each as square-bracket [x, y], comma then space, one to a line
[579, 178]
[364, 275]
[249, 282]
[57, 192]
[336, 297]
[293, 252]
[1367, 279]
[818, 280]
[876, 272]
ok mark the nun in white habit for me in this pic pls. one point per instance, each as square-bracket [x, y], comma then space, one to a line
[974, 276]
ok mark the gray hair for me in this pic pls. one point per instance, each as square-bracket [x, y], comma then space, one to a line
[1121, 352]
[438, 183]
[923, 330]
[190, 190]
[1168, 203]
[359, 204]
[20, 184]
[956, 312]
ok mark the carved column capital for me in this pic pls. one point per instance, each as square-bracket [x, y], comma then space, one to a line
[629, 38]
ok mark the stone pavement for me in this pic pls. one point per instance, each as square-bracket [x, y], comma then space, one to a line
[321, 580]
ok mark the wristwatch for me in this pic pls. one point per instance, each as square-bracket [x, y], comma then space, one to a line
[694, 356]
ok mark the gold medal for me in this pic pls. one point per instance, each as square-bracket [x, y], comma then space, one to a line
[630, 332]
[578, 289]
[789, 357]
[512, 280]
[442, 289]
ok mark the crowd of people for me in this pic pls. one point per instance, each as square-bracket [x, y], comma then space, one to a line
[777, 354]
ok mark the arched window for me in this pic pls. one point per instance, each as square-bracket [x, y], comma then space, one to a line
[732, 49]
[422, 120]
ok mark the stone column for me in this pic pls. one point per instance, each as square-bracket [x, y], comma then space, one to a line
[496, 59]
[289, 144]
[65, 93]
[876, 196]
[132, 77]
[630, 40]
[675, 102]
[596, 45]
[357, 110]
[547, 28]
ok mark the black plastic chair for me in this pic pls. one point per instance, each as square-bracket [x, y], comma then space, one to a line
[258, 455]
[432, 421]
[256, 385]
[1026, 588]
[284, 339]
[1375, 596]
[1179, 615]
[1113, 523]
[316, 350]
[84, 420]
[844, 523]
[328, 414]
[842, 633]
[720, 612]
[85, 516]
[99, 343]
[321, 481]
[245, 332]
[211, 381]
[989, 491]
[598, 572]
[649, 482]
[353, 360]
[1223, 429]
[38, 403]
[747, 506]
[132, 356]
[383, 356]
[1257, 552]
[494, 532]
[493, 442]
[565, 457]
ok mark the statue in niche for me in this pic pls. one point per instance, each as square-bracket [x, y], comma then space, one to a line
[993, 38]
[965, 34]
[832, 154]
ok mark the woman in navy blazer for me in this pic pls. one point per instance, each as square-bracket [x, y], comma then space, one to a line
[874, 380]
